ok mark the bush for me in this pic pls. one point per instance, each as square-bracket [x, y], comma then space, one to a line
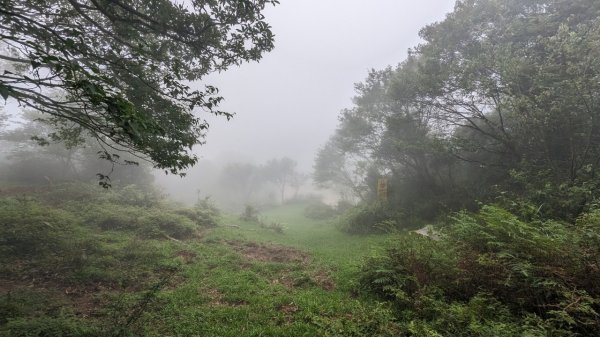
[31, 230]
[160, 224]
[250, 214]
[343, 206]
[538, 190]
[203, 214]
[108, 216]
[319, 211]
[200, 217]
[134, 195]
[155, 223]
[274, 226]
[30, 312]
[370, 218]
[540, 278]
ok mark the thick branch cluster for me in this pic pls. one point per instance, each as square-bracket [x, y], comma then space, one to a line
[120, 69]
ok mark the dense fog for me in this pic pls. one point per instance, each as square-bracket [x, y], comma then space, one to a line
[287, 105]
[243, 168]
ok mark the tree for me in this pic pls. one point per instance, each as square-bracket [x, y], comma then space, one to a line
[297, 180]
[344, 161]
[241, 180]
[521, 74]
[335, 169]
[119, 70]
[27, 161]
[281, 172]
[500, 96]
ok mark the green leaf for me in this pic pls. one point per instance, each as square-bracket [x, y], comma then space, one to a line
[4, 91]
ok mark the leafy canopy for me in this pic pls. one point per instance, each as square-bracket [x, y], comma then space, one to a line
[120, 70]
[501, 95]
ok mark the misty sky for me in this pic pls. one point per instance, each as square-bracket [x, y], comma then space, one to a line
[287, 105]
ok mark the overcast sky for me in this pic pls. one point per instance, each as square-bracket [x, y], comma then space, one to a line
[288, 103]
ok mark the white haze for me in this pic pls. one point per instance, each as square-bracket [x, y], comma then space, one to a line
[288, 103]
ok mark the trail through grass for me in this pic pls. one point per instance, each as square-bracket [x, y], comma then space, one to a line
[340, 252]
[119, 270]
[251, 281]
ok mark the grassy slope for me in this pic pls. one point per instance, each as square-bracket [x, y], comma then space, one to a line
[222, 284]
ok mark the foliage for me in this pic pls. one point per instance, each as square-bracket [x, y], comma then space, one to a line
[29, 229]
[378, 217]
[493, 274]
[64, 160]
[119, 69]
[275, 226]
[133, 285]
[319, 211]
[53, 257]
[204, 213]
[501, 96]
[282, 172]
[250, 213]
[62, 234]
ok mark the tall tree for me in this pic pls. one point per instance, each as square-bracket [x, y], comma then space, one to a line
[241, 180]
[344, 161]
[336, 169]
[281, 172]
[501, 94]
[120, 70]
[523, 75]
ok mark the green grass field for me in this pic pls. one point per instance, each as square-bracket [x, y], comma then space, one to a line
[237, 279]
[251, 281]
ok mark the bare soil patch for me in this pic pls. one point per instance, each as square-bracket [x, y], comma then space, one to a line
[269, 253]
[253, 251]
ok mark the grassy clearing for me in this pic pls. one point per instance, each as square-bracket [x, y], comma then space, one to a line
[251, 281]
[105, 268]
[340, 252]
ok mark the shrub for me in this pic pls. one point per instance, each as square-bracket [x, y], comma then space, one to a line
[135, 195]
[30, 312]
[203, 214]
[275, 226]
[153, 223]
[250, 214]
[542, 278]
[108, 216]
[26, 302]
[200, 217]
[31, 230]
[343, 205]
[369, 218]
[319, 211]
[160, 224]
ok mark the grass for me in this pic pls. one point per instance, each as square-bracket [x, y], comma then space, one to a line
[107, 265]
[238, 279]
[341, 252]
[237, 295]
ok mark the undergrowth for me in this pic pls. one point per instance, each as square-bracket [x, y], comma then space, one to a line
[492, 274]
[70, 252]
